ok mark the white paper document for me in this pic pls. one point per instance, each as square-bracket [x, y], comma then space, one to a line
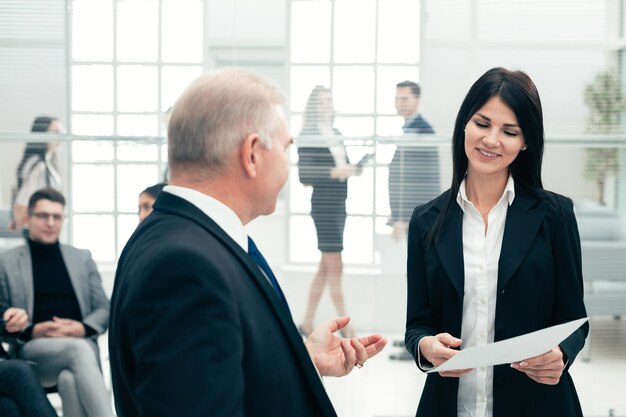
[510, 350]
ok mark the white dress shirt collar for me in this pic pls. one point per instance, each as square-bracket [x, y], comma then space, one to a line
[509, 194]
[219, 212]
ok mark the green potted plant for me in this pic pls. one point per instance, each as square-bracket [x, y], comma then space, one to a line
[606, 104]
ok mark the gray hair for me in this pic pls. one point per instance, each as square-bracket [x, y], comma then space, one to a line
[215, 113]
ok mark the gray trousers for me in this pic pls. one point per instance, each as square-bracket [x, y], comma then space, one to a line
[73, 366]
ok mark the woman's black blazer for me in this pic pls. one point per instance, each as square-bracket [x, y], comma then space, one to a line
[539, 285]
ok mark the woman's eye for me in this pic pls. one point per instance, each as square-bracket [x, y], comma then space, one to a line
[481, 124]
[510, 133]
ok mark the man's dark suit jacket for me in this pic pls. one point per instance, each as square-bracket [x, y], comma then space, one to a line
[539, 285]
[413, 173]
[197, 330]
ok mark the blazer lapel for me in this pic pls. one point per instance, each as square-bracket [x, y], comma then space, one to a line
[25, 278]
[450, 249]
[523, 219]
[74, 272]
[177, 206]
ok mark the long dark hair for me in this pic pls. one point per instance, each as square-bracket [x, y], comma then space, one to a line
[518, 92]
[36, 149]
[310, 118]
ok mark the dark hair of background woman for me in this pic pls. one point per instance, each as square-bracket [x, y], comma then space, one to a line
[517, 91]
[39, 149]
[154, 190]
[310, 118]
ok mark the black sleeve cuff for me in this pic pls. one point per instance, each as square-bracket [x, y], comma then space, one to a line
[27, 334]
[89, 331]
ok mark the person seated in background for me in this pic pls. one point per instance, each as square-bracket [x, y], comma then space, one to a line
[37, 169]
[21, 395]
[60, 288]
[147, 198]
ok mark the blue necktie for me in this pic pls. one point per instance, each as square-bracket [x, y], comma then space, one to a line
[256, 255]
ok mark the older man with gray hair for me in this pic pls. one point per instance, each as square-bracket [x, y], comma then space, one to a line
[199, 323]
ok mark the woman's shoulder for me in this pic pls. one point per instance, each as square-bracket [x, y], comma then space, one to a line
[557, 205]
[33, 162]
[431, 208]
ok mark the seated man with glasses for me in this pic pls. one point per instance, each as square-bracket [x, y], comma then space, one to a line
[61, 290]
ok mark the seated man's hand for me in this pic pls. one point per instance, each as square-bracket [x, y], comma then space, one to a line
[16, 319]
[58, 327]
[334, 356]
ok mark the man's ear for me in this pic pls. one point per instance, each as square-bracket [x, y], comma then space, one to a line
[249, 154]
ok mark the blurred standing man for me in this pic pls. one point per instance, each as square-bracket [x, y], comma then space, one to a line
[199, 324]
[414, 171]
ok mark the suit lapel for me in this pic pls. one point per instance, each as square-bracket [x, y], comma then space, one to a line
[25, 278]
[73, 271]
[523, 219]
[177, 206]
[450, 249]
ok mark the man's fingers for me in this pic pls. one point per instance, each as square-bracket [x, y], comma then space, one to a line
[348, 353]
[376, 348]
[360, 353]
[337, 323]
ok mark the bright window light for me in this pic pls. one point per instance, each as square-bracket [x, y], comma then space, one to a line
[133, 179]
[92, 188]
[354, 31]
[174, 79]
[398, 31]
[352, 89]
[137, 88]
[310, 31]
[137, 125]
[182, 31]
[86, 226]
[92, 30]
[137, 30]
[92, 88]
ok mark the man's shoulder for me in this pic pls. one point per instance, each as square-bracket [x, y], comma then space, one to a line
[418, 125]
[73, 251]
[12, 254]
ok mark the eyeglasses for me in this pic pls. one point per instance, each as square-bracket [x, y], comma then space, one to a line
[45, 216]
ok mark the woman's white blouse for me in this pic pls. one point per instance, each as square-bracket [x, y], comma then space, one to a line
[481, 253]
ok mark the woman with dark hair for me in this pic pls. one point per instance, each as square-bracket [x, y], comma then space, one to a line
[327, 170]
[495, 256]
[37, 169]
[147, 198]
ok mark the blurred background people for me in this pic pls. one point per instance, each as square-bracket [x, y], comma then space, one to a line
[147, 198]
[414, 171]
[327, 170]
[37, 169]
